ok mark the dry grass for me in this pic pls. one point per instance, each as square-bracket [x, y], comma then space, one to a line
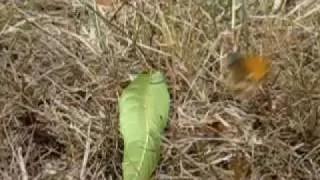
[63, 67]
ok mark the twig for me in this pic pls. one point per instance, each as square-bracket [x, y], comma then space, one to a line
[86, 154]
[22, 165]
[244, 27]
[233, 21]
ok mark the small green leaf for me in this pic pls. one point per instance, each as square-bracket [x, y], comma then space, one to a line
[144, 108]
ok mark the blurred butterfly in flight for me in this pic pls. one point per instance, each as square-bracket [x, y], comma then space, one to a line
[245, 72]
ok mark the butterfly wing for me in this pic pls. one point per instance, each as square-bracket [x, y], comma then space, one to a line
[257, 67]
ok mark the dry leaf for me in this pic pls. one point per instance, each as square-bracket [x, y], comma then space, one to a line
[240, 167]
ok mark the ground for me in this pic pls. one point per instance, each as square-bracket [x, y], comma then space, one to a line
[64, 64]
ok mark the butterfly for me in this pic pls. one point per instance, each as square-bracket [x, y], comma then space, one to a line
[245, 72]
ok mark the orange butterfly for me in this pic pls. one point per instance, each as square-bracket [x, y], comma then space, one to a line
[246, 72]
